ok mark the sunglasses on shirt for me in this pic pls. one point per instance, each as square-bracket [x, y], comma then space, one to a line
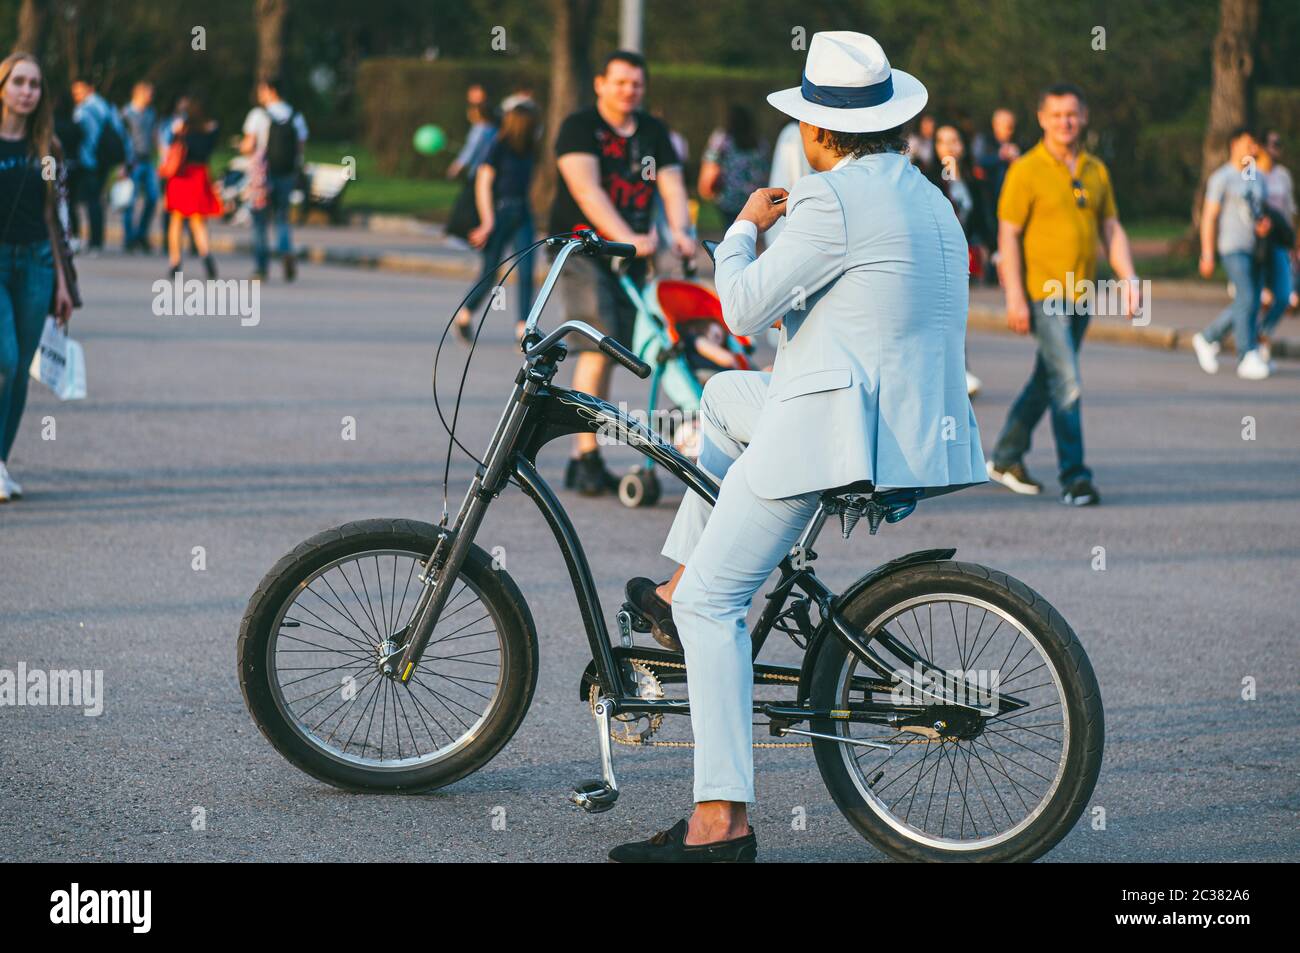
[1080, 193]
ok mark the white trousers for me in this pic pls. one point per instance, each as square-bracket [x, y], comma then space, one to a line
[729, 549]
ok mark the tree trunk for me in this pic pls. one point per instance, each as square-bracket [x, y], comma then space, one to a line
[33, 24]
[269, 16]
[570, 86]
[1231, 93]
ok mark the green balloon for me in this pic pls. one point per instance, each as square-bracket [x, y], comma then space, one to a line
[429, 140]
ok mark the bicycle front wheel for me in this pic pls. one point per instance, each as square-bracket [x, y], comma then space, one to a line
[323, 631]
[1003, 785]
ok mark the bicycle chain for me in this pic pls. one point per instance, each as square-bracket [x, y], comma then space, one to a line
[651, 664]
[658, 719]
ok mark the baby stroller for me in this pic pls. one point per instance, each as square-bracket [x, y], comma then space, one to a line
[680, 333]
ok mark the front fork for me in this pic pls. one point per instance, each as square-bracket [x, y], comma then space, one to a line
[440, 572]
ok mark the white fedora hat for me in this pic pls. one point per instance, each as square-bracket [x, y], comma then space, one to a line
[849, 87]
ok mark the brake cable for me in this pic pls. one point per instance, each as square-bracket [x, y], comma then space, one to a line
[513, 261]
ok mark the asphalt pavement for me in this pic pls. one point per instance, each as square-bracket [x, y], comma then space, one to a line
[204, 432]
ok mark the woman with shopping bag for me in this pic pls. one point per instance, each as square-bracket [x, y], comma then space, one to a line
[36, 273]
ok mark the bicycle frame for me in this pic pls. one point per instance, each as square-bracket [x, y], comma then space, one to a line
[539, 411]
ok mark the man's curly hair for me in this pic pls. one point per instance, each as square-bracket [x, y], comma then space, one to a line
[863, 143]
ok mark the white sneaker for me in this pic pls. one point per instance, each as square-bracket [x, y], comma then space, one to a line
[973, 385]
[1252, 367]
[9, 487]
[1207, 354]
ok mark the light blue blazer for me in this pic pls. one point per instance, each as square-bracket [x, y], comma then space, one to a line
[869, 277]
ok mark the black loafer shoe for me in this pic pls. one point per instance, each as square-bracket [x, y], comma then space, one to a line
[641, 593]
[670, 847]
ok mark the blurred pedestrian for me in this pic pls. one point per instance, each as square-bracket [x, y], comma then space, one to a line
[1233, 222]
[36, 274]
[190, 195]
[920, 144]
[1056, 203]
[993, 152]
[275, 137]
[141, 124]
[501, 190]
[477, 142]
[101, 149]
[603, 154]
[1279, 249]
[956, 182]
[735, 163]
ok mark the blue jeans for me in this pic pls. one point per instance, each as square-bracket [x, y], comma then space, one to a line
[1055, 383]
[1239, 316]
[278, 189]
[26, 286]
[87, 190]
[1282, 282]
[136, 228]
[512, 220]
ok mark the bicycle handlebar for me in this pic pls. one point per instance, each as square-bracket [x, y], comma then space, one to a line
[606, 343]
[593, 244]
[625, 357]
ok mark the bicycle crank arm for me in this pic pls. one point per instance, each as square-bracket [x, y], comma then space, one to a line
[598, 796]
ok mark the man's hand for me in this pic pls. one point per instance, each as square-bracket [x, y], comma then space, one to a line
[683, 244]
[1132, 297]
[1206, 267]
[645, 244]
[760, 210]
[478, 236]
[1018, 316]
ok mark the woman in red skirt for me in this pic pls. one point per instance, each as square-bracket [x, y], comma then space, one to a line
[190, 195]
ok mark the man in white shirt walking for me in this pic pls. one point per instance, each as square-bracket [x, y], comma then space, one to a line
[274, 136]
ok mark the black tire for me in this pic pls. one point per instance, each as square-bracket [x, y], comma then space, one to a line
[512, 630]
[639, 488]
[1082, 733]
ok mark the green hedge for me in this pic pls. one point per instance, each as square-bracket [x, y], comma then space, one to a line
[1155, 166]
[399, 95]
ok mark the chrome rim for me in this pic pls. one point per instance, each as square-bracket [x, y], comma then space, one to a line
[963, 794]
[325, 659]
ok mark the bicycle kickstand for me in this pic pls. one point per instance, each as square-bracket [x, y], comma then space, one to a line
[599, 795]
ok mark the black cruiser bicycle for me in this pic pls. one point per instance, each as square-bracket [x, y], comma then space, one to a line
[953, 713]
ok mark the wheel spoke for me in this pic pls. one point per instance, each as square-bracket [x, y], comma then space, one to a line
[380, 722]
[987, 778]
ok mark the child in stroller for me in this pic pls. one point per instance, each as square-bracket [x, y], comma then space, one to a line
[680, 333]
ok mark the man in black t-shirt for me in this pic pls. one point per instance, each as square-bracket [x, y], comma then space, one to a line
[612, 158]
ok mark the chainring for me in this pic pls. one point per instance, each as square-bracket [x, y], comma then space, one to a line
[632, 728]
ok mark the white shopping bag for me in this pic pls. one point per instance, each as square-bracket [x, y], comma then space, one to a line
[121, 195]
[59, 363]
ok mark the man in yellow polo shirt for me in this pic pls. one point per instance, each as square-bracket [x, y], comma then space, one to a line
[1056, 202]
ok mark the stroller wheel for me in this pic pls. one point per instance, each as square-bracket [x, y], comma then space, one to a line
[638, 488]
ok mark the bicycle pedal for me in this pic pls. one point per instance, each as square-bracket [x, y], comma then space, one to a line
[639, 622]
[594, 797]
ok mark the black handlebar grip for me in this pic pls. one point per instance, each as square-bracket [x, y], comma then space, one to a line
[617, 250]
[625, 357]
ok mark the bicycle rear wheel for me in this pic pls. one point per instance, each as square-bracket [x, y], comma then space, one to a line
[1004, 786]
